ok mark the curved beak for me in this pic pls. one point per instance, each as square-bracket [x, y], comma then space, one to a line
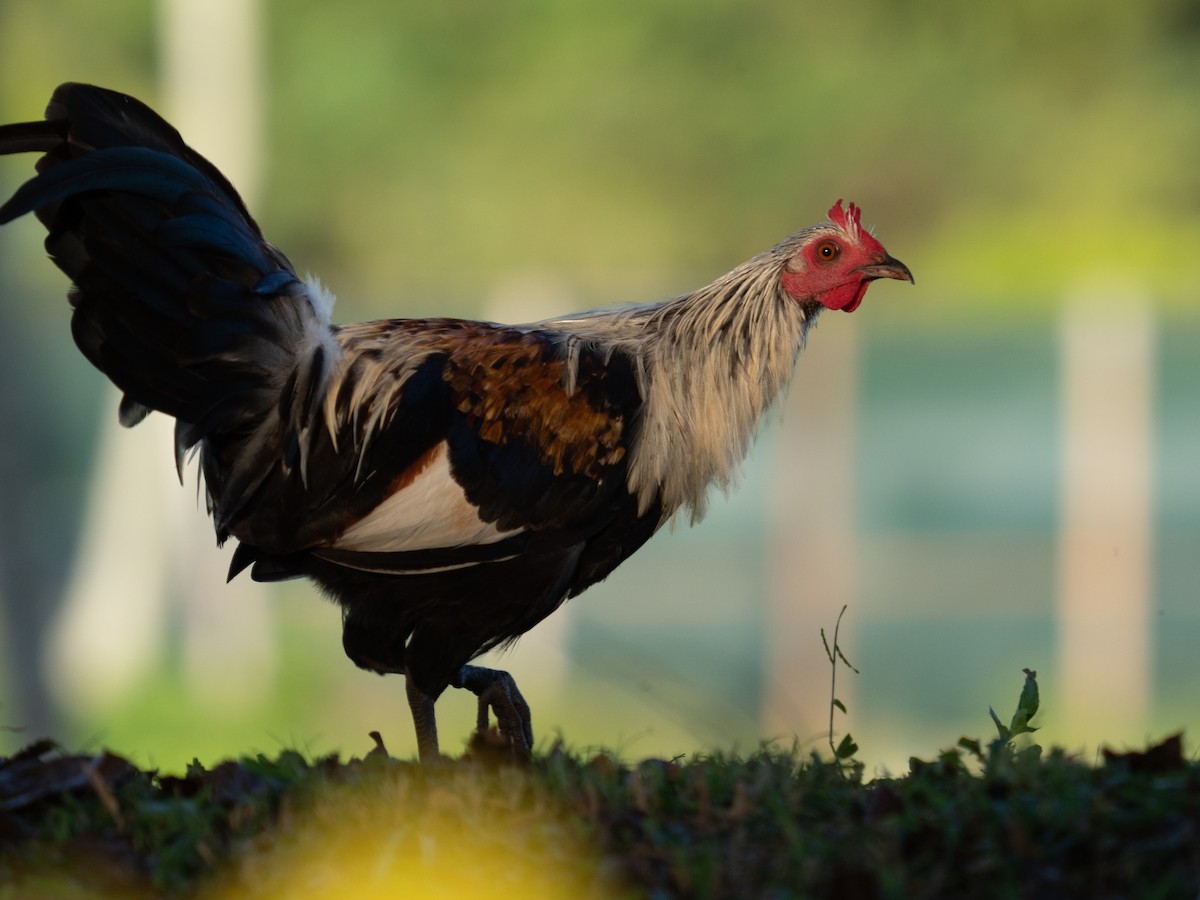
[888, 267]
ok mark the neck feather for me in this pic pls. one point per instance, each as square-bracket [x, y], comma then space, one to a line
[711, 363]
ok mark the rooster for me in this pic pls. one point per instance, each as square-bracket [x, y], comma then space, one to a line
[449, 483]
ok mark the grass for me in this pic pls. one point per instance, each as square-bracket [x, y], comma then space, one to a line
[999, 818]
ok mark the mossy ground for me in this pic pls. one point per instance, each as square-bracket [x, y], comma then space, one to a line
[973, 822]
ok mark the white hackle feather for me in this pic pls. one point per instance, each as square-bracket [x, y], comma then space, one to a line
[709, 365]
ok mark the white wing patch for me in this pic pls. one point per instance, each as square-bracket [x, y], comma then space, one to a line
[430, 512]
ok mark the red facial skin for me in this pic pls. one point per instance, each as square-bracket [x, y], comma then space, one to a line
[835, 267]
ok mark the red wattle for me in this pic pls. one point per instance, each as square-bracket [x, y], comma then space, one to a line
[845, 297]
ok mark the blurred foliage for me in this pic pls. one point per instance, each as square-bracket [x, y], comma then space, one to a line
[420, 153]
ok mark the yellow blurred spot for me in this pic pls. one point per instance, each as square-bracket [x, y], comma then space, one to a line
[419, 835]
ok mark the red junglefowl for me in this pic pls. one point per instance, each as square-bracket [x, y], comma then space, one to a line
[448, 483]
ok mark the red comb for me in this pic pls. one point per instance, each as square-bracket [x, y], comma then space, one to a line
[847, 220]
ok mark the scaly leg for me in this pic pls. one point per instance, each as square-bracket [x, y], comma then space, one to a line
[498, 692]
[424, 720]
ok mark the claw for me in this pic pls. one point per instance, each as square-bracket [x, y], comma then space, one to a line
[498, 693]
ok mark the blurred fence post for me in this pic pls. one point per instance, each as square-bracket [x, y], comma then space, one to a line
[115, 622]
[213, 85]
[812, 555]
[212, 64]
[1106, 540]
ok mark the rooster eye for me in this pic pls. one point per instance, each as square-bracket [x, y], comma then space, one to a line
[827, 251]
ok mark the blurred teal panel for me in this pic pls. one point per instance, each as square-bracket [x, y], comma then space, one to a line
[959, 430]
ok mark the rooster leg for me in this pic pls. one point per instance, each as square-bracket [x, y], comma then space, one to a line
[424, 720]
[498, 692]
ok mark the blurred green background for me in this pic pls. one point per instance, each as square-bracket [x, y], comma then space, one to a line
[465, 158]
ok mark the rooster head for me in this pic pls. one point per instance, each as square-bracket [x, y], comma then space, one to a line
[834, 264]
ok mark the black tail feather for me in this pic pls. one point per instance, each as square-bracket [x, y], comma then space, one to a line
[177, 296]
[99, 118]
[32, 137]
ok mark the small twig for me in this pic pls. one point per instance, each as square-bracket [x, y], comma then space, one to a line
[835, 653]
[379, 749]
[104, 792]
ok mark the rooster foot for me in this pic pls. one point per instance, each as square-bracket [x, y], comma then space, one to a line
[497, 692]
